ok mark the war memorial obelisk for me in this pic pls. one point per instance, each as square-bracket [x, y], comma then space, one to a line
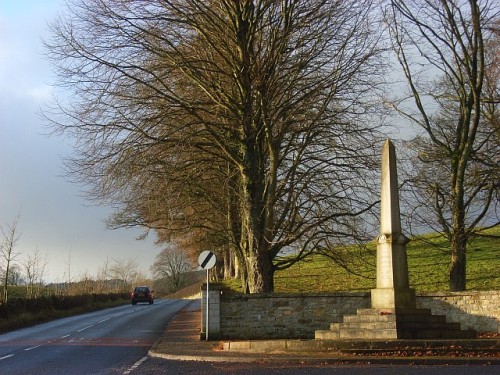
[393, 313]
[393, 286]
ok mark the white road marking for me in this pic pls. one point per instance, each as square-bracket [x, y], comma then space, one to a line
[83, 329]
[102, 321]
[135, 365]
[63, 337]
[7, 356]
[33, 347]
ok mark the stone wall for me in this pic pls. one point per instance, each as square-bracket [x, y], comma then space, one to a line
[473, 310]
[259, 316]
[272, 316]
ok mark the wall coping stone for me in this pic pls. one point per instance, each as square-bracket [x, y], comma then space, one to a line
[463, 293]
[353, 294]
[294, 295]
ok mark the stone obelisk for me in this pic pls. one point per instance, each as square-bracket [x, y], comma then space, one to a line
[393, 287]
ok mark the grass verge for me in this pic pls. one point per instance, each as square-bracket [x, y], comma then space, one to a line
[28, 318]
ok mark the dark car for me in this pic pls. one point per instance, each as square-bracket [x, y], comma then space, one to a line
[142, 294]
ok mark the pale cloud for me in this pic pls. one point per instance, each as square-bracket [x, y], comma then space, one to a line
[54, 217]
[23, 70]
[40, 94]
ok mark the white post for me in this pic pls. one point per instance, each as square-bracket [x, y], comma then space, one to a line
[206, 322]
[207, 260]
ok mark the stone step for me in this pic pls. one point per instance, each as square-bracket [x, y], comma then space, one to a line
[376, 334]
[369, 318]
[400, 325]
[421, 318]
[388, 333]
[335, 326]
[436, 334]
[326, 334]
[393, 318]
[371, 311]
[368, 325]
[391, 330]
[396, 324]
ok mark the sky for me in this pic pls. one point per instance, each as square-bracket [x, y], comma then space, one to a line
[55, 218]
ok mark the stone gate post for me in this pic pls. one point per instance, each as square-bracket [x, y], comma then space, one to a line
[214, 291]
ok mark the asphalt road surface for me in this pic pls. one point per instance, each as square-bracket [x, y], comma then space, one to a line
[111, 341]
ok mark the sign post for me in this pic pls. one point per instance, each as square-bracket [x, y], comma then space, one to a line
[207, 260]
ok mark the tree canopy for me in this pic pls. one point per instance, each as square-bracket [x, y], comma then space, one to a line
[241, 126]
[448, 51]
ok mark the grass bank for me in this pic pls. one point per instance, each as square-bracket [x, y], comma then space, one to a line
[428, 267]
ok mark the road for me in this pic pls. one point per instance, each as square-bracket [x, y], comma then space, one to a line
[111, 341]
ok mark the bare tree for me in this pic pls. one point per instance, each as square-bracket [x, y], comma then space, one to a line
[10, 237]
[241, 122]
[15, 275]
[172, 264]
[126, 271]
[443, 48]
[103, 277]
[34, 269]
[29, 271]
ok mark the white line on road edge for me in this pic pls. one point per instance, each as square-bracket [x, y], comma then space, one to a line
[7, 356]
[135, 365]
[63, 337]
[83, 329]
[33, 347]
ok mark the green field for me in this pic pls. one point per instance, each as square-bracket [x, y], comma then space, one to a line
[428, 265]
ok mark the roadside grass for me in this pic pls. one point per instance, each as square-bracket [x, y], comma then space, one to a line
[24, 312]
[428, 267]
[27, 318]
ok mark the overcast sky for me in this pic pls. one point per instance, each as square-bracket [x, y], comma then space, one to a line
[54, 218]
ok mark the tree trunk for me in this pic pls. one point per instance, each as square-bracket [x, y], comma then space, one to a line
[6, 281]
[458, 240]
[458, 263]
[258, 263]
[227, 265]
[260, 274]
[244, 279]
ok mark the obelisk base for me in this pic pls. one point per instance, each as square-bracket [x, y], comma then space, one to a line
[390, 298]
